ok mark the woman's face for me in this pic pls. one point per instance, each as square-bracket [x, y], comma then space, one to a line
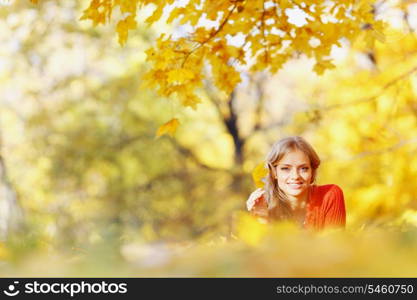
[294, 173]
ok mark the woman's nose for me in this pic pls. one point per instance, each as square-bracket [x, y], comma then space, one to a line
[295, 174]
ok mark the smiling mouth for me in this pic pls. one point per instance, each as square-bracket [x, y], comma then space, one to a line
[295, 185]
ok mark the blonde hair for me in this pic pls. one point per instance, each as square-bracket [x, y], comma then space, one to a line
[278, 203]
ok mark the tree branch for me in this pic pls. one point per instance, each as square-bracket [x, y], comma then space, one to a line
[388, 149]
[214, 34]
[372, 98]
[191, 155]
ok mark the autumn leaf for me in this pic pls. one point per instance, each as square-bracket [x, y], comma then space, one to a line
[123, 28]
[179, 76]
[190, 100]
[168, 128]
[322, 66]
[156, 15]
[259, 174]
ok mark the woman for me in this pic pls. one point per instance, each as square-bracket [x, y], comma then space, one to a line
[290, 192]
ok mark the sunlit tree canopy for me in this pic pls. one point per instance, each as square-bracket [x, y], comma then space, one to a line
[228, 35]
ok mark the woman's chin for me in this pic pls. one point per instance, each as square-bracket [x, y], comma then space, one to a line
[294, 192]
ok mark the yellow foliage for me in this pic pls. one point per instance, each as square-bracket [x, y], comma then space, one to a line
[177, 64]
[259, 174]
[99, 11]
[179, 76]
[124, 26]
[4, 252]
[156, 15]
[323, 65]
[249, 229]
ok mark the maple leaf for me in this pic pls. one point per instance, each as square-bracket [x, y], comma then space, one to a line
[123, 28]
[156, 15]
[168, 128]
[259, 174]
[190, 100]
[323, 65]
[180, 75]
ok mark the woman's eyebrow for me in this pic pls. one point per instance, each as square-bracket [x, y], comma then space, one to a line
[300, 165]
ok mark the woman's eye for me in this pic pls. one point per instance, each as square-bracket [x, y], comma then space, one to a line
[304, 168]
[284, 168]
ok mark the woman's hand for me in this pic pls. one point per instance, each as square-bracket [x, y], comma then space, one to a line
[256, 203]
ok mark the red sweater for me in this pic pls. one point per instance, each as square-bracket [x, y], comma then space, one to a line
[325, 207]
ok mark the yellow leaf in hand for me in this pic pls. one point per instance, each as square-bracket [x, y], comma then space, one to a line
[168, 128]
[258, 175]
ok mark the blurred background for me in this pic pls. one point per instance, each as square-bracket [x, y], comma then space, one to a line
[86, 188]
